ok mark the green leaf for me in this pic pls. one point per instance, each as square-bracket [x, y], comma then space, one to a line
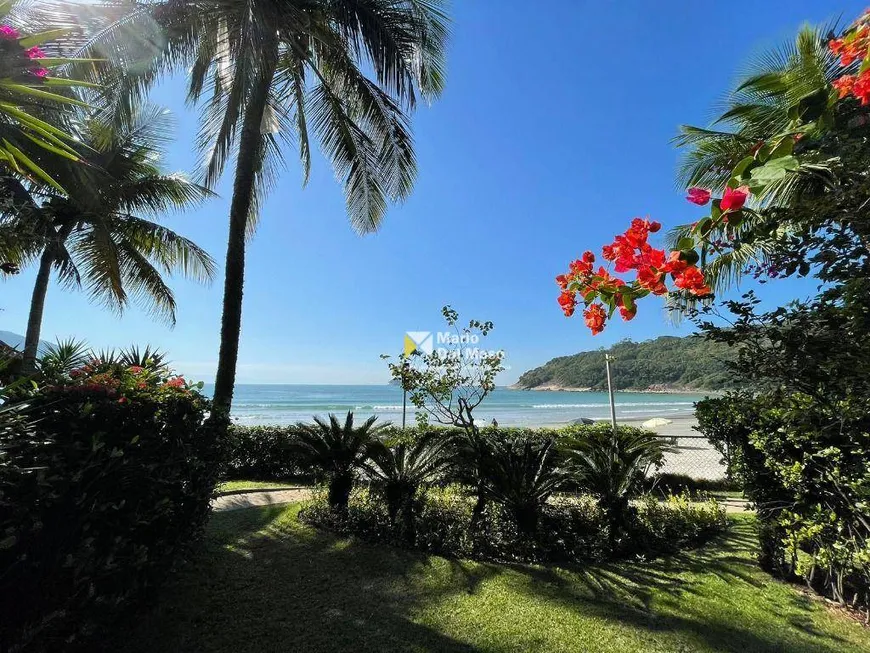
[42, 37]
[45, 95]
[42, 174]
[686, 243]
[741, 167]
[690, 256]
[59, 81]
[784, 149]
[775, 169]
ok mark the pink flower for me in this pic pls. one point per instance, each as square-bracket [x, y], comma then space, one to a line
[734, 198]
[40, 72]
[35, 53]
[7, 32]
[699, 196]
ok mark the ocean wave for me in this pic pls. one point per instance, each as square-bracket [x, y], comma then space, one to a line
[618, 405]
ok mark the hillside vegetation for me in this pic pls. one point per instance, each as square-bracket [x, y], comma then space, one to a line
[666, 363]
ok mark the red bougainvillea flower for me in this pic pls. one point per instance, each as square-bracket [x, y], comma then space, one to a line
[844, 85]
[699, 196]
[177, 382]
[692, 279]
[652, 280]
[626, 314]
[861, 88]
[35, 53]
[734, 198]
[595, 316]
[562, 280]
[675, 264]
[7, 32]
[568, 302]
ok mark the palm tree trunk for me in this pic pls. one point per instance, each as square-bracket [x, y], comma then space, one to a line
[248, 164]
[37, 305]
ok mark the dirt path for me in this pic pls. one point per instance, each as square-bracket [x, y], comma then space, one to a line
[260, 498]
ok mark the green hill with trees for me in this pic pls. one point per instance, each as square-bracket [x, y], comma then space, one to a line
[665, 363]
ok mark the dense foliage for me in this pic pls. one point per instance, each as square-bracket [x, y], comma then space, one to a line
[569, 528]
[499, 494]
[106, 475]
[667, 362]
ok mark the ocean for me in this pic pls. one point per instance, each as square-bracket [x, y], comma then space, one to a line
[287, 404]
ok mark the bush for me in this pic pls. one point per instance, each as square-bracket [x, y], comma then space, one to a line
[105, 481]
[263, 453]
[570, 529]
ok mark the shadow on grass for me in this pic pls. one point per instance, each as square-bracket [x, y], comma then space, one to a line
[265, 583]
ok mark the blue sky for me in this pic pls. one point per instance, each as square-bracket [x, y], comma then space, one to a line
[552, 134]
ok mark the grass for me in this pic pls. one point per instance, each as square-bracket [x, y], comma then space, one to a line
[231, 486]
[267, 583]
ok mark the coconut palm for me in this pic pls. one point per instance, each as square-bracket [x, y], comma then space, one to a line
[336, 451]
[99, 235]
[784, 90]
[276, 72]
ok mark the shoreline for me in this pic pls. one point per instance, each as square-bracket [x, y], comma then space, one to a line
[645, 391]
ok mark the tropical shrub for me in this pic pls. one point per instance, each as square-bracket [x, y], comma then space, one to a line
[399, 469]
[569, 528]
[335, 452]
[521, 474]
[105, 482]
[265, 453]
[612, 467]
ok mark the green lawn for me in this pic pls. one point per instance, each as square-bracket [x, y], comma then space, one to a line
[266, 583]
[229, 486]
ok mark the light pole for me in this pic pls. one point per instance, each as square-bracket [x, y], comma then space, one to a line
[404, 393]
[607, 359]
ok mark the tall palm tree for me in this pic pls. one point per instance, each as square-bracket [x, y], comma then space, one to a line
[269, 72]
[781, 90]
[99, 233]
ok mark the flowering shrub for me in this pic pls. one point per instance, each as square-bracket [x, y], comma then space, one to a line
[629, 251]
[852, 47]
[101, 493]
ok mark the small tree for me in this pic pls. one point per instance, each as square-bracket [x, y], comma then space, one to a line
[449, 383]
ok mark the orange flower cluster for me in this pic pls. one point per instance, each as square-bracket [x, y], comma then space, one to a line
[853, 46]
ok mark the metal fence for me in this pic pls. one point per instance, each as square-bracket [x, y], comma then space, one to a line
[693, 456]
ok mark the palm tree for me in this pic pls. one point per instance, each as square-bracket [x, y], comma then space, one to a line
[285, 71]
[782, 90]
[336, 451]
[95, 234]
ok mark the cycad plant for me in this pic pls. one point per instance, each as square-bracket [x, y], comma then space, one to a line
[100, 233]
[335, 451]
[400, 469]
[521, 474]
[62, 357]
[612, 468]
[344, 72]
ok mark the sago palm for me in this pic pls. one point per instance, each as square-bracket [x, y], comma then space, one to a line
[521, 475]
[612, 467]
[100, 234]
[783, 89]
[273, 72]
[335, 451]
[400, 469]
